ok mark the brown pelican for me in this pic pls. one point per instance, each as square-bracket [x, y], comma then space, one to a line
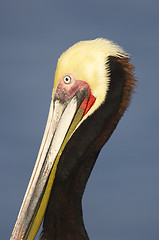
[92, 88]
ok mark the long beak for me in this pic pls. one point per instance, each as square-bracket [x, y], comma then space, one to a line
[62, 120]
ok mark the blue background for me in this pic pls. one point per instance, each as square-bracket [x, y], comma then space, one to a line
[121, 201]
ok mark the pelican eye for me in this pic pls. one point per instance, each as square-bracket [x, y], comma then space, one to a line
[67, 79]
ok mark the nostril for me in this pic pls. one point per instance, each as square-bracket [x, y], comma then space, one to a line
[64, 93]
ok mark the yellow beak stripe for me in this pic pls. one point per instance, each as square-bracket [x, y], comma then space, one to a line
[41, 208]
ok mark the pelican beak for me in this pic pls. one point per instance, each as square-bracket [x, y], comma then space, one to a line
[64, 116]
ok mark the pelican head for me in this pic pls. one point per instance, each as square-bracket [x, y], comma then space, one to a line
[92, 88]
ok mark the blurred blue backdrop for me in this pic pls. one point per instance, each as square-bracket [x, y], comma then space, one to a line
[121, 200]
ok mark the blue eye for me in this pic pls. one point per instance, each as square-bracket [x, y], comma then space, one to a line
[67, 79]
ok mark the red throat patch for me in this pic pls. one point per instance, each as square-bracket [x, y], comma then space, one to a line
[88, 102]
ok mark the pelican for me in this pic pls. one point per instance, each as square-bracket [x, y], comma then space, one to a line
[93, 84]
